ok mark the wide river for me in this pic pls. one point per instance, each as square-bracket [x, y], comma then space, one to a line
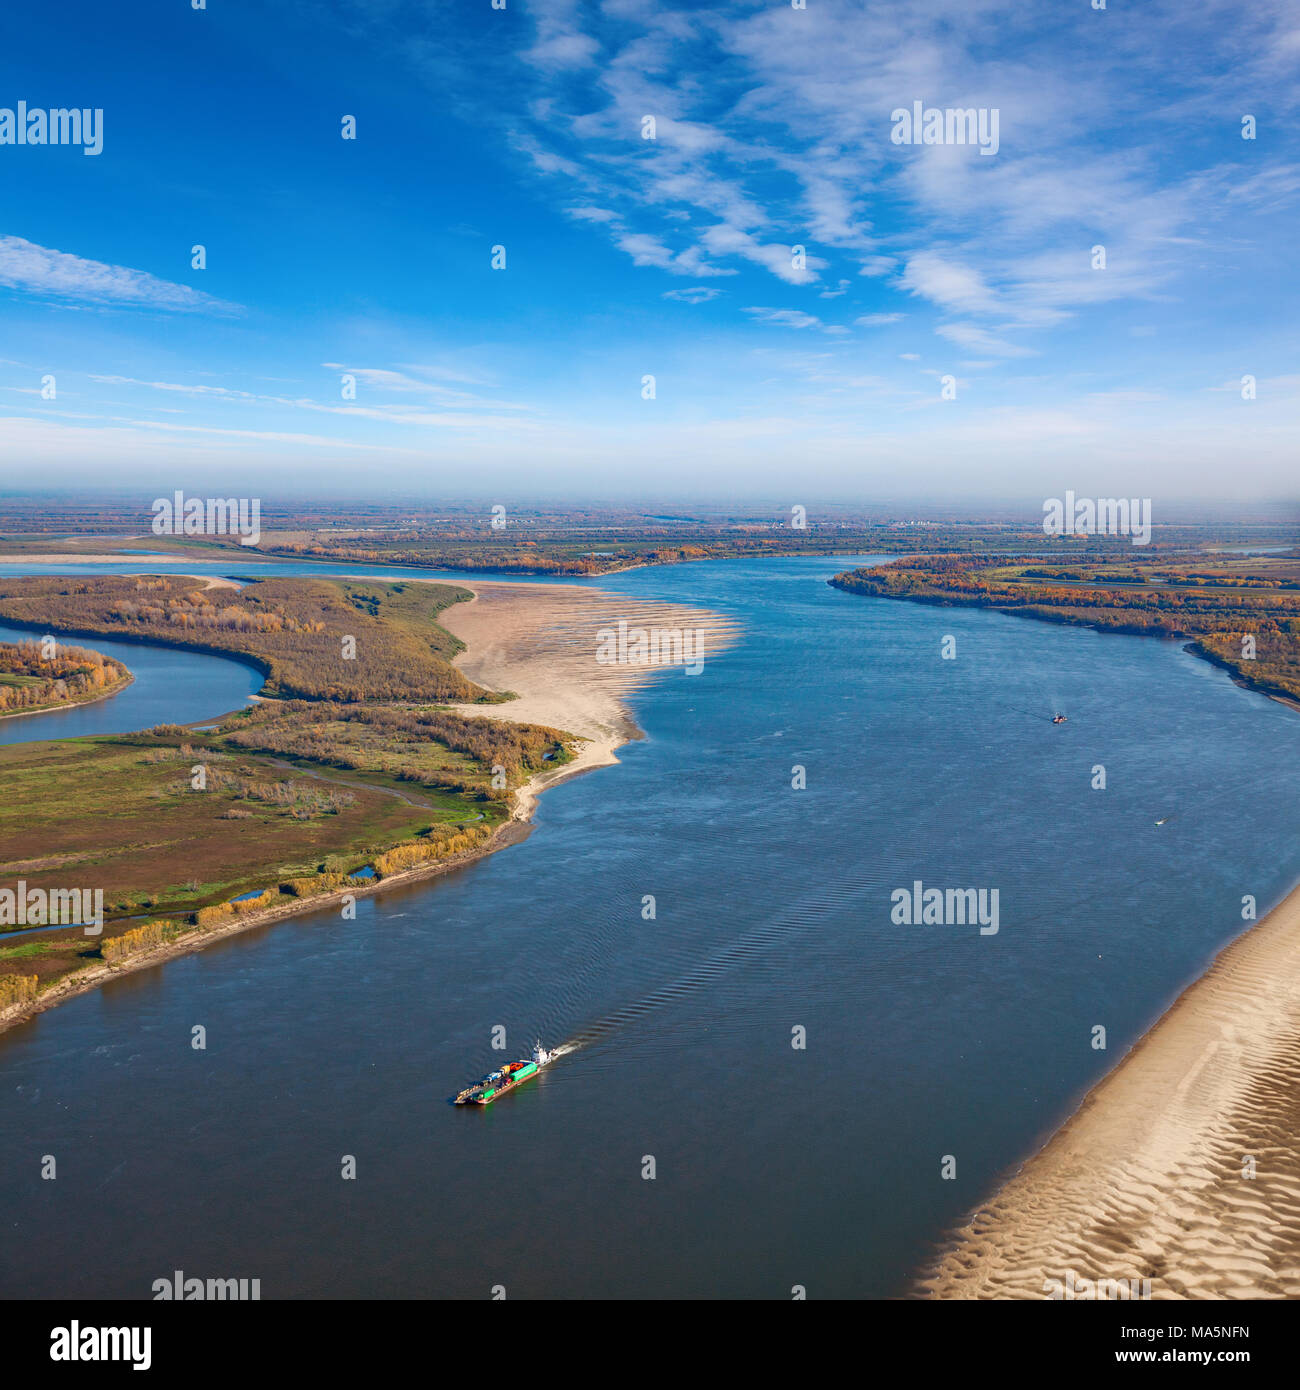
[773, 1166]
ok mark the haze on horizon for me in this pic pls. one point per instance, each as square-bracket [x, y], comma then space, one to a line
[369, 261]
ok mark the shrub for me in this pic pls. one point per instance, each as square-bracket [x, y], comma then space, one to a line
[264, 899]
[441, 844]
[309, 886]
[141, 938]
[17, 989]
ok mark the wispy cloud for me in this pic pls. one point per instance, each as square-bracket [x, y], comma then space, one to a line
[791, 318]
[771, 133]
[976, 339]
[696, 294]
[450, 411]
[38, 270]
[947, 283]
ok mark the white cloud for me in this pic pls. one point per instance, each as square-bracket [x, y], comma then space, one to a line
[947, 283]
[591, 214]
[39, 270]
[650, 250]
[697, 294]
[446, 415]
[976, 339]
[773, 131]
[784, 318]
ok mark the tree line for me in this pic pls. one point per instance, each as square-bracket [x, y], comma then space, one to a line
[29, 680]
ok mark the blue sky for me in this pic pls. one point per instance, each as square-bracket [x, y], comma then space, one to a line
[671, 257]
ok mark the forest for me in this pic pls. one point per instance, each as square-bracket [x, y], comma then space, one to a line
[30, 681]
[314, 639]
[431, 747]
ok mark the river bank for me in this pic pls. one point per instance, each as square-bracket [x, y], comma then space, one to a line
[1181, 1166]
[195, 940]
[538, 641]
[72, 704]
[1240, 618]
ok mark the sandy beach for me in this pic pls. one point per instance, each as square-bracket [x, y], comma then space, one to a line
[540, 641]
[1148, 1179]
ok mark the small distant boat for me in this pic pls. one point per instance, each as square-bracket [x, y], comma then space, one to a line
[1058, 719]
[1162, 820]
[497, 1083]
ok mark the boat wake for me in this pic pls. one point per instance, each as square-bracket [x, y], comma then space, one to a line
[799, 916]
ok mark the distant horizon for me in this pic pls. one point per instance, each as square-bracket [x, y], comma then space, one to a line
[705, 509]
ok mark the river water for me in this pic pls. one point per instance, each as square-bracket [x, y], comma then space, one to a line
[170, 686]
[773, 1166]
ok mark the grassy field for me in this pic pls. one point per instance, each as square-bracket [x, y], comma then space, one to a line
[123, 814]
[120, 813]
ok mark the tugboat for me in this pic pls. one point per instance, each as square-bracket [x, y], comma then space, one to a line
[1058, 719]
[497, 1083]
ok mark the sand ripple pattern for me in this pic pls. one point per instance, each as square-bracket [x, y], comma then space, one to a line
[1147, 1179]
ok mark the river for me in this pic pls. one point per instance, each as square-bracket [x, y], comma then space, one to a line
[773, 1166]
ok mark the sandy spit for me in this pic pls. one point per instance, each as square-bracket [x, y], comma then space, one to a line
[540, 641]
[1148, 1179]
[77, 557]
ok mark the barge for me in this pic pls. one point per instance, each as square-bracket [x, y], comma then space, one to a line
[497, 1083]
